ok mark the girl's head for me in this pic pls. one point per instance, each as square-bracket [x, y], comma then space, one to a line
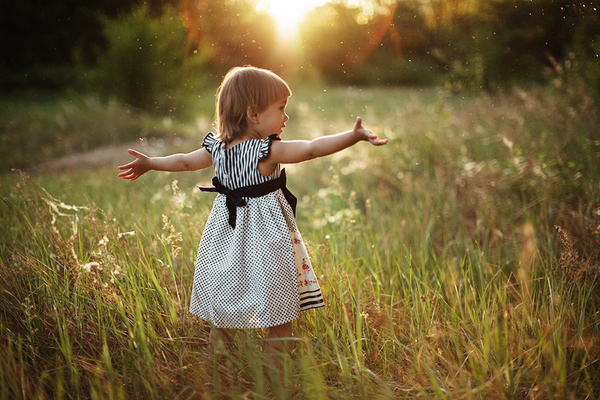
[244, 90]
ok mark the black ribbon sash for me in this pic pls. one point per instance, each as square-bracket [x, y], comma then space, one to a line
[234, 198]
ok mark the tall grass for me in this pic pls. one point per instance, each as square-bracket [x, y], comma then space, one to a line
[459, 261]
[38, 127]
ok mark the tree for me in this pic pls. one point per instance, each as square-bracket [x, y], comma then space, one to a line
[40, 37]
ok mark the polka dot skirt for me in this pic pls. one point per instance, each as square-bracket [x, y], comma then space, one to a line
[257, 274]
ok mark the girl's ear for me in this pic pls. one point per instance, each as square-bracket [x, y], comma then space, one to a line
[252, 114]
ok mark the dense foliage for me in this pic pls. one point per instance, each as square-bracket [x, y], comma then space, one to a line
[461, 44]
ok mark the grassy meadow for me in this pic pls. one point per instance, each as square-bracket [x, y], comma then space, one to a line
[459, 261]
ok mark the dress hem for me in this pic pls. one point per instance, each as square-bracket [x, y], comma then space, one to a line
[255, 326]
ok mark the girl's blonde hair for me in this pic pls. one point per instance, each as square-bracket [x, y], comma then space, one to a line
[243, 90]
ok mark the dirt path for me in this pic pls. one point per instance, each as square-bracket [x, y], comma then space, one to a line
[97, 158]
[113, 155]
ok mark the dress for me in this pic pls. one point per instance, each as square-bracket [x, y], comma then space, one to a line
[257, 274]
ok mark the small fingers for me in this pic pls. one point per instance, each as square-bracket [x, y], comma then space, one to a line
[130, 168]
[125, 175]
[374, 140]
[135, 153]
[126, 166]
[129, 176]
[378, 142]
[358, 124]
[131, 172]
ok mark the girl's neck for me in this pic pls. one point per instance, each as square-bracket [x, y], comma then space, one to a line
[242, 138]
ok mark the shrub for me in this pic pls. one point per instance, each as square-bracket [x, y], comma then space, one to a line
[145, 63]
[587, 53]
[382, 69]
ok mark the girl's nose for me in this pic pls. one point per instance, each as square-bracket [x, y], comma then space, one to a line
[286, 117]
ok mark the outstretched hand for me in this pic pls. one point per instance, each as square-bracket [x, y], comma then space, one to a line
[137, 167]
[367, 134]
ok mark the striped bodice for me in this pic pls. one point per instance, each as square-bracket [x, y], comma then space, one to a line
[237, 166]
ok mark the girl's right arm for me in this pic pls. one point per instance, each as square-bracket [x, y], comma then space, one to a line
[193, 161]
[295, 151]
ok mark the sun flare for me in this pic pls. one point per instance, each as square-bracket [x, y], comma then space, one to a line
[288, 14]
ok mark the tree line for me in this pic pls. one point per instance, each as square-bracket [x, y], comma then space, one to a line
[146, 51]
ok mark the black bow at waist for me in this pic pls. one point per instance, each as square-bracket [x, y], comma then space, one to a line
[234, 198]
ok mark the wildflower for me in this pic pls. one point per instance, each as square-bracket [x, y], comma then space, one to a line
[88, 267]
[173, 238]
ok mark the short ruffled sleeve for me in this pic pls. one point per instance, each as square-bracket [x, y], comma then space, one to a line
[265, 147]
[209, 142]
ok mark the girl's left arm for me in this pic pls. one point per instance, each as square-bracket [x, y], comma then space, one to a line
[199, 159]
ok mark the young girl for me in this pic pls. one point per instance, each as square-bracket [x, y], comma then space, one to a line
[252, 269]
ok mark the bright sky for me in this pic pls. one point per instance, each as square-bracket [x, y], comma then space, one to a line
[288, 14]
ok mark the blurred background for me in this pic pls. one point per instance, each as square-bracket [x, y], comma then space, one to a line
[92, 69]
[146, 52]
